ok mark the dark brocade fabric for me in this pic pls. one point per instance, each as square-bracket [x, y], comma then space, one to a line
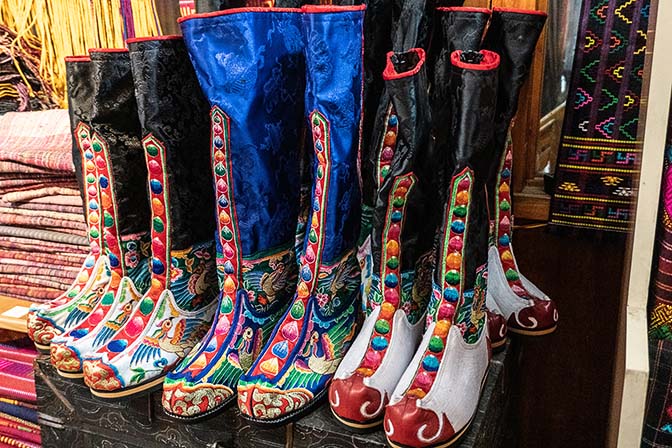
[657, 432]
[180, 121]
[599, 158]
[114, 118]
[80, 102]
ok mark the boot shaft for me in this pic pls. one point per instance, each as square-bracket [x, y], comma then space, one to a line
[333, 104]
[258, 96]
[115, 123]
[473, 83]
[173, 113]
[403, 143]
[513, 34]
[456, 29]
[78, 83]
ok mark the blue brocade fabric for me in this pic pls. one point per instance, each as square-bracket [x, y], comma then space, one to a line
[250, 65]
[307, 345]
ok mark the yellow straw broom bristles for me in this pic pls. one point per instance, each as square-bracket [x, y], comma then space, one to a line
[63, 28]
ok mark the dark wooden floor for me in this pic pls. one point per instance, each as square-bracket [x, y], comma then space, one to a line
[562, 389]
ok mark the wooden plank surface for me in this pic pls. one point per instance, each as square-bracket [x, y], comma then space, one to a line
[13, 314]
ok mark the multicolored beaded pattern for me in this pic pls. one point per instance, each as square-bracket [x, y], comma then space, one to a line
[388, 145]
[311, 258]
[83, 139]
[450, 291]
[160, 278]
[160, 232]
[111, 239]
[504, 222]
[390, 272]
[229, 262]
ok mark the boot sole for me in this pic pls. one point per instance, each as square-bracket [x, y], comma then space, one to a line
[453, 440]
[457, 436]
[204, 416]
[71, 375]
[144, 388]
[355, 426]
[532, 332]
[43, 349]
[292, 416]
[498, 345]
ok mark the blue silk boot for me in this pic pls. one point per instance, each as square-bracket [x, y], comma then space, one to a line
[296, 365]
[250, 65]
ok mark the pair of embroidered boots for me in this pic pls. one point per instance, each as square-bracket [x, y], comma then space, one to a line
[288, 299]
[146, 293]
[422, 355]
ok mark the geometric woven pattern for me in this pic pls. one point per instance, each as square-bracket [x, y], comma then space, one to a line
[660, 297]
[599, 155]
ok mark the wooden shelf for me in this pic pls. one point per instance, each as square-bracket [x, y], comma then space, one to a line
[13, 314]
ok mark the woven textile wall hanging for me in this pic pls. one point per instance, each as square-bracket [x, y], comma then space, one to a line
[599, 155]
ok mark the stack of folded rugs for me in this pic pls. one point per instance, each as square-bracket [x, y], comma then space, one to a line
[18, 414]
[42, 228]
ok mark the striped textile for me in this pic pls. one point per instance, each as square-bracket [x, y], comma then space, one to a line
[68, 261]
[19, 410]
[37, 139]
[34, 280]
[45, 235]
[37, 206]
[30, 293]
[36, 222]
[71, 217]
[12, 266]
[19, 429]
[43, 239]
[17, 380]
[599, 156]
[22, 196]
[20, 168]
[57, 199]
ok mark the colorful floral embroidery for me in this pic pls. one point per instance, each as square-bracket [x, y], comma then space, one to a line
[310, 341]
[207, 378]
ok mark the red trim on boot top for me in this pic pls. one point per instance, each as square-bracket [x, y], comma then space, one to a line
[77, 59]
[151, 38]
[390, 72]
[490, 61]
[205, 15]
[316, 9]
[108, 50]
[520, 11]
[464, 9]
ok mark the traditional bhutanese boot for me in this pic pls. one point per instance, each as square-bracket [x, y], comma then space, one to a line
[402, 239]
[438, 393]
[513, 34]
[256, 133]
[459, 28]
[51, 319]
[177, 310]
[294, 368]
[119, 159]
